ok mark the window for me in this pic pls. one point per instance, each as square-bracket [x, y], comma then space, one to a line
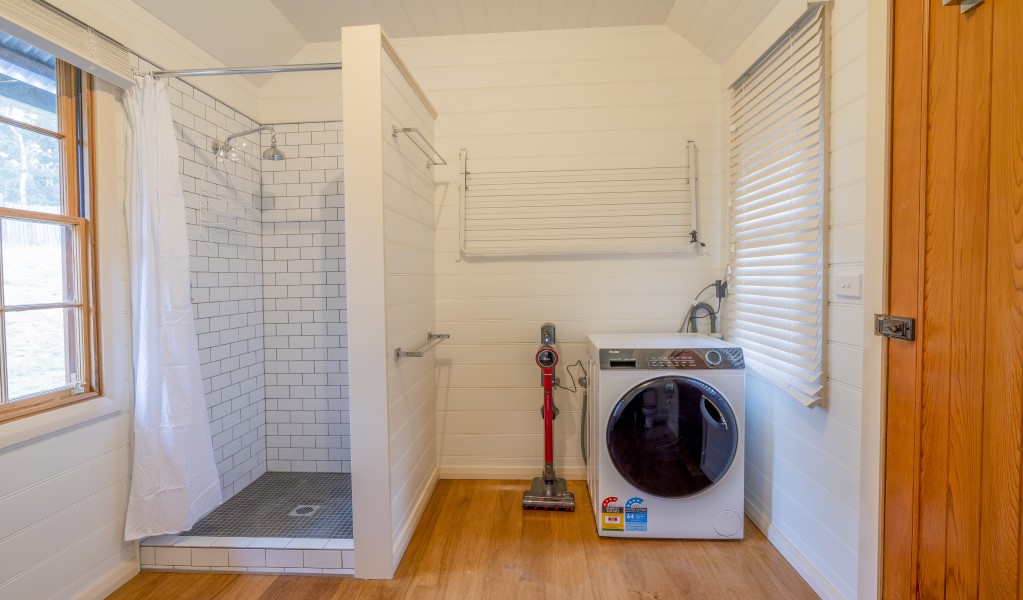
[777, 225]
[47, 320]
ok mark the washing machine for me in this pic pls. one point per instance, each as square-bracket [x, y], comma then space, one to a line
[664, 433]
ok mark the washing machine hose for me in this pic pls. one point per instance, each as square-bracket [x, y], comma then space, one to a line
[582, 428]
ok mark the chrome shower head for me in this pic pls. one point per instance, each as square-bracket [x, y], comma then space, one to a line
[273, 152]
[224, 149]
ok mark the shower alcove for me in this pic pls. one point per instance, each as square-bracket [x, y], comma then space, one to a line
[286, 277]
[266, 235]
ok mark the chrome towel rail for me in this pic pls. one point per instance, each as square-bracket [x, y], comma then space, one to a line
[409, 131]
[432, 339]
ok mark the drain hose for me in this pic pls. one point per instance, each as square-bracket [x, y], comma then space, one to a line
[582, 429]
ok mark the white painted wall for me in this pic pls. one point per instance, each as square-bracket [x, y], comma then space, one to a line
[138, 30]
[628, 97]
[304, 97]
[66, 473]
[804, 480]
[389, 216]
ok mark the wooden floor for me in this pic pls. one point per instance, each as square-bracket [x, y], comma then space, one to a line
[475, 541]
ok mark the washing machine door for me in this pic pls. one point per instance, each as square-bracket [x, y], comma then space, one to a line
[672, 436]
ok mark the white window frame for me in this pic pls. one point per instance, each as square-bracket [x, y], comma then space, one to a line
[778, 175]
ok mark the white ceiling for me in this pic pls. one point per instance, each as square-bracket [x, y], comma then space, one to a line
[265, 32]
[718, 27]
[320, 20]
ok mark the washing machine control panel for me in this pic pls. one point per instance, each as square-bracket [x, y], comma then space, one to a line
[677, 358]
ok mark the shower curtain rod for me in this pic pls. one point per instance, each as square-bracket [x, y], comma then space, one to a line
[249, 70]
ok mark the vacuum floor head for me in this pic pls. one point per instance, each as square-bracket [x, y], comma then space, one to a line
[543, 496]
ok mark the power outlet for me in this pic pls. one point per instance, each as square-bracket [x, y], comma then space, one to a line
[720, 289]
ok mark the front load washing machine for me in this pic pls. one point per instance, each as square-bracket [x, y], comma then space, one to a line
[665, 436]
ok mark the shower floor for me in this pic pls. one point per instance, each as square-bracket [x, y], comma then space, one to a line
[284, 505]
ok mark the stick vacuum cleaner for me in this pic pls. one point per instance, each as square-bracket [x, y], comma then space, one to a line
[548, 492]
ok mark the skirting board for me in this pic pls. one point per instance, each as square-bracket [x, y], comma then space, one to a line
[110, 582]
[820, 584]
[474, 472]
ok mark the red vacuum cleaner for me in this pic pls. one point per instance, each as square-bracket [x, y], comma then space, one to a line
[548, 492]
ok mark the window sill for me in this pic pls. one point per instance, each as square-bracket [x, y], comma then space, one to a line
[37, 427]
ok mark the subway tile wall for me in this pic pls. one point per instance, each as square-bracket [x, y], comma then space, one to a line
[222, 211]
[307, 424]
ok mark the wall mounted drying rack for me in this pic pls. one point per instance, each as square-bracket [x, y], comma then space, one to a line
[432, 339]
[578, 205]
[413, 133]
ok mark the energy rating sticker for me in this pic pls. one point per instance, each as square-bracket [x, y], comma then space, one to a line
[611, 515]
[635, 515]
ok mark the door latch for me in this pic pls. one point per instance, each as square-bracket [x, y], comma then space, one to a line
[896, 328]
[964, 5]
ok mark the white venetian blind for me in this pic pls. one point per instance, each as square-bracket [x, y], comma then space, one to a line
[44, 26]
[777, 233]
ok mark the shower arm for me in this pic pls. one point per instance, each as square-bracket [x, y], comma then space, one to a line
[225, 145]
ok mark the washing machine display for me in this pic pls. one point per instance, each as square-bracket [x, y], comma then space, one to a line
[672, 437]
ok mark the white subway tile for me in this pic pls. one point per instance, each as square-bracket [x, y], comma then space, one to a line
[323, 559]
[210, 557]
[247, 557]
[285, 558]
[170, 556]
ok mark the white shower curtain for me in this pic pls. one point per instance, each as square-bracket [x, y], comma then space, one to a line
[174, 476]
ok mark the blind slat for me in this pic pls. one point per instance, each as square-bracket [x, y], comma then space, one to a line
[777, 190]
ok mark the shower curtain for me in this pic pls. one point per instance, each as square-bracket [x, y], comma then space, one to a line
[174, 475]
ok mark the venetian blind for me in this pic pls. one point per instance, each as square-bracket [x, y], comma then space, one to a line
[777, 224]
[68, 39]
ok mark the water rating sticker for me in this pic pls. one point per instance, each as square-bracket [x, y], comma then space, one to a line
[635, 515]
[611, 515]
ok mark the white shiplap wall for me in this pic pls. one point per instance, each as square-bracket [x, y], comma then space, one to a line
[410, 301]
[64, 495]
[389, 221]
[803, 465]
[630, 95]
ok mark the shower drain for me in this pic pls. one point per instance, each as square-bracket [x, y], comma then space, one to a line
[304, 510]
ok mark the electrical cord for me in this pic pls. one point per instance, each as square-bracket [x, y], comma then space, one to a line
[574, 389]
[568, 369]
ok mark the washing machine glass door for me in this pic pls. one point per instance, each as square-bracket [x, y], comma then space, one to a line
[672, 436]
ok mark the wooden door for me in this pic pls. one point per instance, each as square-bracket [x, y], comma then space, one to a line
[954, 417]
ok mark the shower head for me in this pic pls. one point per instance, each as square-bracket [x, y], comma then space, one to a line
[225, 149]
[273, 152]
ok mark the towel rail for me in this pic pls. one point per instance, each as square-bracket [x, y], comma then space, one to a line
[430, 160]
[432, 339]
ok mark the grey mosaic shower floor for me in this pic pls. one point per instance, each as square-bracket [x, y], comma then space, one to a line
[270, 507]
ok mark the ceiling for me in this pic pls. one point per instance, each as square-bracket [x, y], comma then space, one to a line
[320, 20]
[264, 32]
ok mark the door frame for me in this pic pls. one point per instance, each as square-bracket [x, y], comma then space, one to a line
[875, 294]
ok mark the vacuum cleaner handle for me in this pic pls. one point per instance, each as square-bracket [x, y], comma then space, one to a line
[547, 334]
[547, 359]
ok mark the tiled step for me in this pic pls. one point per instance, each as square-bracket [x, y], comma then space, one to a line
[315, 556]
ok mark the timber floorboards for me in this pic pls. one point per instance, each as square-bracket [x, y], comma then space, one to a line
[475, 541]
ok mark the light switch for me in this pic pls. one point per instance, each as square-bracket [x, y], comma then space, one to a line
[849, 286]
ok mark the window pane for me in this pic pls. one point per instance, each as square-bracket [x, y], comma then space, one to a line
[42, 351]
[28, 83]
[38, 263]
[29, 170]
